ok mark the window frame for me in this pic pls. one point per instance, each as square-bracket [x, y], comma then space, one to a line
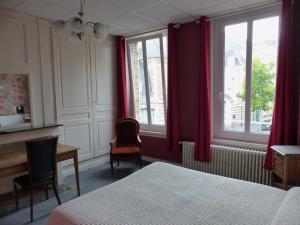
[218, 64]
[147, 128]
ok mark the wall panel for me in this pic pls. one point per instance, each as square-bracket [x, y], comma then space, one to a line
[13, 42]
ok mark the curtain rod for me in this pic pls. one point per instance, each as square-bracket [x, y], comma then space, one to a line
[145, 32]
[245, 9]
[176, 26]
[211, 18]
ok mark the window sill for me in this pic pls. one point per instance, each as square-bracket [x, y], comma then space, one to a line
[152, 134]
[240, 144]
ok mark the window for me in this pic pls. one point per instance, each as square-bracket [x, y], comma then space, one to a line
[245, 75]
[147, 64]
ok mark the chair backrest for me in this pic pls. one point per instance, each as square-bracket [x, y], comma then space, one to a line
[127, 130]
[41, 157]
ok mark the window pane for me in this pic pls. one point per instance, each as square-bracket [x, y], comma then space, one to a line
[235, 77]
[264, 57]
[137, 68]
[155, 83]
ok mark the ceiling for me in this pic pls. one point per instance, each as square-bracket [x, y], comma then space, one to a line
[129, 16]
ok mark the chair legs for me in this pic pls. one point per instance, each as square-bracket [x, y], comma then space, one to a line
[16, 196]
[31, 204]
[111, 166]
[46, 192]
[31, 197]
[56, 192]
[140, 162]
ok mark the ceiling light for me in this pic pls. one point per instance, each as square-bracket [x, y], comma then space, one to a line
[78, 27]
[75, 38]
[101, 31]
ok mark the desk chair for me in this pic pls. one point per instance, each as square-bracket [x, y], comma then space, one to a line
[42, 171]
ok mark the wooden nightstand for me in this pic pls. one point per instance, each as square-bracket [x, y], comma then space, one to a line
[286, 164]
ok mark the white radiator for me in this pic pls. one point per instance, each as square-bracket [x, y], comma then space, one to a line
[243, 164]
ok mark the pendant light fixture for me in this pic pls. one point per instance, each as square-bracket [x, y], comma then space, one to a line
[78, 27]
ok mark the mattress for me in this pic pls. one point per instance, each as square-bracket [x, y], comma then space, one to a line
[166, 194]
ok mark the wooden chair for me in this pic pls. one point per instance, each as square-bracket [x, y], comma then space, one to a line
[41, 158]
[127, 144]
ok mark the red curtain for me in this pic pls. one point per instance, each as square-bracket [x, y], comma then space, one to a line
[173, 108]
[121, 78]
[297, 53]
[203, 136]
[284, 129]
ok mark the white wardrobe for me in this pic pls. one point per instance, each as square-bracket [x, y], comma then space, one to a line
[84, 74]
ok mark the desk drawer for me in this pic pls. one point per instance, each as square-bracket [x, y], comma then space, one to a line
[278, 164]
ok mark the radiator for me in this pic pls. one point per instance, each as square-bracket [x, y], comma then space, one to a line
[243, 164]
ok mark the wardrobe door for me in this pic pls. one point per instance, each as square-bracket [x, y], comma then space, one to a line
[104, 93]
[73, 92]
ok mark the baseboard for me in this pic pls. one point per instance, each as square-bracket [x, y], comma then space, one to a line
[151, 159]
[85, 165]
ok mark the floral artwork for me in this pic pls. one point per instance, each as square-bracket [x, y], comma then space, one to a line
[14, 91]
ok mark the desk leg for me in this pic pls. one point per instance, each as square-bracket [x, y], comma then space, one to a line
[272, 179]
[77, 173]
[272, 171]
[286, 174]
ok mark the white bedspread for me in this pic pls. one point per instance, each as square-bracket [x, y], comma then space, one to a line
[166, 194]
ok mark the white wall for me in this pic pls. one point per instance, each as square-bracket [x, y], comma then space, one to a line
[73, 84]
[19, 53]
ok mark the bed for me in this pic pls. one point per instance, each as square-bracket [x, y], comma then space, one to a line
[167, 194]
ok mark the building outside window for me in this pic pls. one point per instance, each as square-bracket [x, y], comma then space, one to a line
[244, 79]
[147, 64]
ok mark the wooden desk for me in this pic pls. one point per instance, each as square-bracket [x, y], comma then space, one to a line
[14, 162]
[286, 164]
